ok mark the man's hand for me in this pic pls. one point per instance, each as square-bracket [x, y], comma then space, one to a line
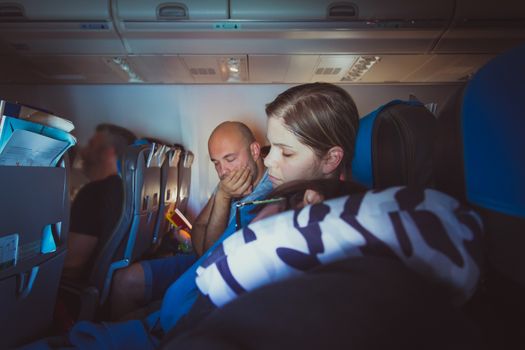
[237, 184]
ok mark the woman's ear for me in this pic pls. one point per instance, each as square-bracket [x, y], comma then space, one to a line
[332, 159]
[255, 150]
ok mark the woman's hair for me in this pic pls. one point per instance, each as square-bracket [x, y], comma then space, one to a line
[293, 192]
[322, 116]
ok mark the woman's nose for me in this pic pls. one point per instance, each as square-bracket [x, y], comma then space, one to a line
[269, 160]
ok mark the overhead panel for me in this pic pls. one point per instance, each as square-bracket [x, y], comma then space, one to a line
[217, 69]
[161, 69]
[332, 68]
[482, 26]
[289, 68]
[393, 68]
[301, 68]
[268, 68]
[59, 27]
[76, 69]
[447, 68]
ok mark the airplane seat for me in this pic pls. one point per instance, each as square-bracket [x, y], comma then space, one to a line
[184, 180]
[493, 123]
[169, 186]
[153, 190]
[33, 233]
[133, 234]
[394, 146]
[170, 189]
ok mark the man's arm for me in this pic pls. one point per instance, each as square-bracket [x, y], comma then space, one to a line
[80, 247]
[213, 218]
[212, 221]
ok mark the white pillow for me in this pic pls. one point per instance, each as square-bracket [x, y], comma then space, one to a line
[428, 231]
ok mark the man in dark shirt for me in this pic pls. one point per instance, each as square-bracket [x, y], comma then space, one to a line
[97, 206]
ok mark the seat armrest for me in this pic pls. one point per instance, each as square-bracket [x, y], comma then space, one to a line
[88, 296]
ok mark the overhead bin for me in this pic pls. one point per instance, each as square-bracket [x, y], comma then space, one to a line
[281, 27]
[436, 11]
[140, 11]
[485, 27]
[155, 26]
[59, 27]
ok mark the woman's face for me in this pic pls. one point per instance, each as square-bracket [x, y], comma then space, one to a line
[289, 159]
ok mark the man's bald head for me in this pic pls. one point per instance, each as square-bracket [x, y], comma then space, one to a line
[232, 146]
[235, 130]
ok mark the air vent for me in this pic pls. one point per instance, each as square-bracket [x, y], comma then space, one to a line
[360, 67]
[342, 10]
[172, 12]
[202, 71]
[328, 71]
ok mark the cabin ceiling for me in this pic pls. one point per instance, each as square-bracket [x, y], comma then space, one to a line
[252, 41]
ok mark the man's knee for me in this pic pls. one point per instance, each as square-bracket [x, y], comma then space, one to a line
[129, 280]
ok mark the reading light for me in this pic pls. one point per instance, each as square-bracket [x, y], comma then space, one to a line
[233, 65]
[232, 68]
[125, 67]
[360, 67]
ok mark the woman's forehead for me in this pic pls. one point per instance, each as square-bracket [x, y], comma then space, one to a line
[277, 133]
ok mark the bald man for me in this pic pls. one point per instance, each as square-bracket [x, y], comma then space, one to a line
[239, 165]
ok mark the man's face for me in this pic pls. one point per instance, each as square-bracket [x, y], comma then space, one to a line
[92, 155]
[229, 154]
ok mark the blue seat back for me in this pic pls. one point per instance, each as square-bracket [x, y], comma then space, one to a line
[493, 132]
[394, 146]
[493, 126]
[34, 222]
[186, 162]
[169, 189]
[35, 207]
[133, 235]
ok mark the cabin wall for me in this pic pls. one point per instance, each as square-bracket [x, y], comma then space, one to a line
[187, 114]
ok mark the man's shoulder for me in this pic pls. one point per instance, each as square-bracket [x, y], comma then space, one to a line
[113, 180]
[263, 187]
[105, 187]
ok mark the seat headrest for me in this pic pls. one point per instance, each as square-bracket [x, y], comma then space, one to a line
[394, 146]
[493, 123]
